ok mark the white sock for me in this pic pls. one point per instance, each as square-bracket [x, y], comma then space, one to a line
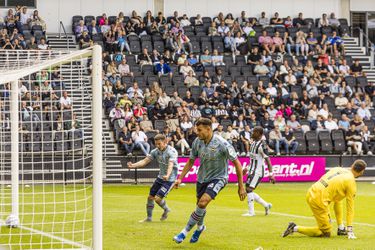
[295, 229]
[184, 231]
[200, 227]
[250, 202]
[258, 199]
[341, 227]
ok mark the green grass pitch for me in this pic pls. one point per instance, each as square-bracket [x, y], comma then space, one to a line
[226, 228]
[124, 206]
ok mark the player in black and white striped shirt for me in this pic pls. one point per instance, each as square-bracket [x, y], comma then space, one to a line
[258, 153]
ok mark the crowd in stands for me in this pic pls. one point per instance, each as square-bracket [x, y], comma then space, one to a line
[290, 76]
[20, 30]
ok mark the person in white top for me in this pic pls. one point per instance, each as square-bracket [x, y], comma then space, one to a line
[364, 112]
[65, 101]
[271, 90]
[330, 124]
[185, 68]
[124, 69]
[24, 16]
[344, 68]
[185, 21]
[140, 140]
[43, 45]
[163, 100]
[324, 112]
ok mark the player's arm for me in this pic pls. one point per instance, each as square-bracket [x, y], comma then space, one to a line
[169, 171]
[186, 170]
[241, 190]
[350, 194]
[140, 164]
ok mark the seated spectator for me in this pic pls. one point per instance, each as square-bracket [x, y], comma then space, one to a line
[248, 29]
[140, 140]
[245, 137]
[65, 101]
[353, 138]
[356, 68]
[185, 21]
[80, 28]
[123, 43]
[239, 41]
[299, 21]
[212, 30]
[368, 142]
[84, 40]
[206, 58]
[349, 111]
[276, 20]
[324, 112]
[278, 43]
[290, 79]
[364, 112]
[37, 20]
[323, 22]
[190, 80]
[221, 113]
[117, 116]
[229, 42]
[266, 42]
[144, 58]
[217, 60]
[180, 141]
[291, 143]
[335, 43]
[185, 68]
[301, 44]
[267, 123]
[294, 124]
[134, 89]
[198, 20]
[288, 22]
[125, 141]
[124, 69]
[277, 141]
[163, 69]
[344, 68]
[105, 27]
[183, 43]
[261, 69]
[222, 30]
[263, 20]
[163, 100]
[333, 21]
[330, 124]
[195, 113]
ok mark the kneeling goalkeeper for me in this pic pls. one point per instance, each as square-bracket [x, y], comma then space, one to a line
[334, 186]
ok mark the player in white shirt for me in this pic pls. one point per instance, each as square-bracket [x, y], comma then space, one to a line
[258, 153]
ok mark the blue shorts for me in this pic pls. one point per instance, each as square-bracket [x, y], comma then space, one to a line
[212, 188]
[161, 188]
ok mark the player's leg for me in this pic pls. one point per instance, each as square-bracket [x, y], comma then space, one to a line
[150, 200]
[251, 184]
[160, 195]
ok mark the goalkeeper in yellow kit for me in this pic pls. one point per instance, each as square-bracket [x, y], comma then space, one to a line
[334, 186]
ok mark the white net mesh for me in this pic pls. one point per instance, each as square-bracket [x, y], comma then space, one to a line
[55, 151]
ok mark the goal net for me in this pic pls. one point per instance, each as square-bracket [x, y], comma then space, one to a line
[50, 149]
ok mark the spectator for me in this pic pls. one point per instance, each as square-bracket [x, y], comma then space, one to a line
[206, 58]
[356, 68]
[368, 142]
[180, 141]
[163, 100]
[230, 43]
[222, 30]
[278, 43]
[217, 60]
[277, 140]
[140, 140]
[37, 20]
[245, 137]
[261, 69]
[263, 20]
[65, 101]
[330, 124]
[323, 22]
[294, 124]
[125, 141]
[276, 20]
[212, 30]
[291, 143]
[185, 68]
[301, 44]
[333, 21]
[163, 69]
[124, 69]
[354, 139]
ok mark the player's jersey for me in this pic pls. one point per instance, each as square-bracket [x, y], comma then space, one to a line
[334, 186]
[163, 158]
[258, 152]
[213, 158]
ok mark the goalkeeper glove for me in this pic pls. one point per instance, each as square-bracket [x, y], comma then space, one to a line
[351, 235]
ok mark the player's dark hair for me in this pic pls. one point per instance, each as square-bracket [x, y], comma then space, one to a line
[257, 133]
[359, 165]
[204, 122]
[159, 137]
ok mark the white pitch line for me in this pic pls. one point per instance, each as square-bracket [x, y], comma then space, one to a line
[312, 218]
[72, 243]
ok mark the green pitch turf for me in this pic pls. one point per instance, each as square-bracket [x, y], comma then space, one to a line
[124, 206]
[226, 228]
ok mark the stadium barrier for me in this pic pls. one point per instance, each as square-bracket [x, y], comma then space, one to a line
[286, 168]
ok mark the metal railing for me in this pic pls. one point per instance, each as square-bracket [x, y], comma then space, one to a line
[364, 41]
[61, 26]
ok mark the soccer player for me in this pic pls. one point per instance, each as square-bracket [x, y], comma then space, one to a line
[334, 186]
[214, 152]
[166, 156]
[258, 153]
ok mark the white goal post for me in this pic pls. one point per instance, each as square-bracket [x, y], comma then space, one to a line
[51, 149]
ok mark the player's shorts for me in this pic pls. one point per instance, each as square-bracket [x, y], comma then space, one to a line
[212, 188]
[161, 188]
[253, 180]
[320, 212]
